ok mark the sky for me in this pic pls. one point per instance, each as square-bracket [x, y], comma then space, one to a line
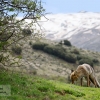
[71, 6]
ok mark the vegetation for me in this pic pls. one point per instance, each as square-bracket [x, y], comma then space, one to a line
[26, 32]
[75, 51]
[69, 54]
[66, 42]
[12, 28]
[86, 60]
[27, 87]
[39, 46]
[17, 50]
[56, 50]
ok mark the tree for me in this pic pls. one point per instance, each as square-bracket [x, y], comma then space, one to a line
[66, 42]
[11, 26]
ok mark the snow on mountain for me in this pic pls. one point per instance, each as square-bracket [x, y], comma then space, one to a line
[82, 29]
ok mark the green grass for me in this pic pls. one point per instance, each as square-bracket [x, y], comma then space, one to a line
[28, 87]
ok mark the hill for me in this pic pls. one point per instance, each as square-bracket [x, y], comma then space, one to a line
[30, 87]
[49, 65]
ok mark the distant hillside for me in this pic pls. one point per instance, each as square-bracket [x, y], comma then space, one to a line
[38, 62]
[82, 29]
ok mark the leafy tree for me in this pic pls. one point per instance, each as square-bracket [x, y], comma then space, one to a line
[12, 26]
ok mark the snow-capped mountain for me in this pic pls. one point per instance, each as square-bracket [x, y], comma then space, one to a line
[82, 29]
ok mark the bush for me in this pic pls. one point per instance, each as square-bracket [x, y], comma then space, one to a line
[79, 57]
[54, 50]
[30, 43]
[17, 50]
[75, 51]
[58, 51]
[70, 58]
[66, 42]
[39, 46]
[86, 60]
[95, 60]
[61, 53]
[49, 49]
[26, 32]
[1, 58]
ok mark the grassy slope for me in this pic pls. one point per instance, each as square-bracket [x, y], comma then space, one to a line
[41, 63]
[28, 87]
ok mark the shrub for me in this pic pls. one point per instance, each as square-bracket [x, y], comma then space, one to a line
[30, 43]
[79, 57]
[75, 51]
[39, 46]
[26, 32]
[66, 42]
[54, 50]
[95, 60]
[1, 58]
[70, 58]
[17, 50]
[58, 51]
[49, 49]
[86, 60]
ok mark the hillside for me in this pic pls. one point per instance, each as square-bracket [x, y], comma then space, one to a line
[82, 29]
[50, 66]
[28, 87]
[42, 76]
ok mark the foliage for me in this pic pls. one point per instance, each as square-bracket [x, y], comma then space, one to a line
[66, 42]
[30, 43]
[26, 32]
[13, 28]
[79, 57]
[86, 60]
[70, 58]
[75, 51]
[39, 45]
[17, 50]
[95, 60]
[56, 50]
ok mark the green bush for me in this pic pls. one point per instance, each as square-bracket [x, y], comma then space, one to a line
[70, 58]
[26, 32]
[86, 60]
[17, 50]
[1, 58]
[66, 42]
[49, 49]
[95, 60]
[79, 57]
[39, 46]
[75, 51]
[61, 53]
[30, 43]
[55, 50]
